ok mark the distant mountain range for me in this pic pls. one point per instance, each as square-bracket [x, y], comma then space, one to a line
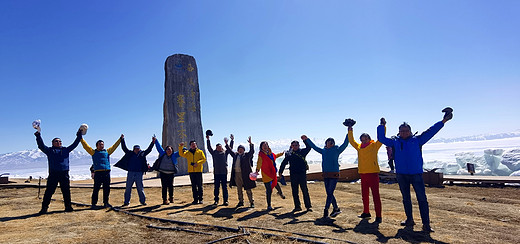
[484, 137]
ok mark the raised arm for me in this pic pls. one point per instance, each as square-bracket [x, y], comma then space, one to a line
[351, 138]
[40, 143]
[123, 144]
[344, 145]
[113, 148]
[182, 153]
[381, 134]
[159, 148]
[76, 142]
[150, 147]
[430, 132]
[309, 143]
[208, 144]
[87, 147]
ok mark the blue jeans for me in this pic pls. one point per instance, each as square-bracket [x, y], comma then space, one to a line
[330, 186]
[136, 177]
[220, 180]
[420, 192]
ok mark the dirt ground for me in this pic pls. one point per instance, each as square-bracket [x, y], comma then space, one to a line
[459, 214]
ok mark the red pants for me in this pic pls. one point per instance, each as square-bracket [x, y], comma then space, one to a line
[370, 181]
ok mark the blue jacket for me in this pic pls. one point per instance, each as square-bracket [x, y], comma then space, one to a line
[58, 157]
[408, 153]
[162, 153]
[329, 156]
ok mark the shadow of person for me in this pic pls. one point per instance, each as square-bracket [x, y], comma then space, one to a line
[330, 222]
[5, 219]
[142, 209]
[411, 236]
[226, 212]
[256, 214]
[365, 227]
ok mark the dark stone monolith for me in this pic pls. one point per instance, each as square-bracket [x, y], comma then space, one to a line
[182, 120]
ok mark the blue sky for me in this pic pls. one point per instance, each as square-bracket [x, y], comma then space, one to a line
[270, 69]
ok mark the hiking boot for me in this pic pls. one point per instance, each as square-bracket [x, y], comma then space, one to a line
[365, 216]
[408, 222]
[309, 209]
[335, 212]
[269, 208]
[165, 202]
[325, 213]
[143, 204]
[69, 209]
[125, 204]
[427, 229]
[195, 202]
[281, 195]
[378, 220]
[297, 209]
[215, 203]
[171, 199]
[252, 205]
[240, 204]
[93, 207]
[107, 205]
[225, 203]
[201, 202]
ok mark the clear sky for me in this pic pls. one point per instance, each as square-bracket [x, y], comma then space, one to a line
[270, 69]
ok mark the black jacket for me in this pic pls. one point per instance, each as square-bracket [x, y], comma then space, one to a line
[141, 156]
[246, 163]
[297, 162]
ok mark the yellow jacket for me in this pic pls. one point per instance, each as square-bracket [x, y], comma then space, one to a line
[367, 157]
[265, 178]
[198, 158]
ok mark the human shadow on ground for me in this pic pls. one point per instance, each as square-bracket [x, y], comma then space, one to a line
[365, 227]
[411, 236]
[256, 214]
[143, 209]
[173, 207]
[27, 216]
[201, 210]
[330, 222]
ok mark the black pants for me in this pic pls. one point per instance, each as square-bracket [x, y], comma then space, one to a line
[101, 178]
[268, 193]
[61, 177]
[220, 180]
[300, 180]
[196, 185]
[167, 185]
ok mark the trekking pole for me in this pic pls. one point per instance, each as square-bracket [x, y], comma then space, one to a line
[39, 184]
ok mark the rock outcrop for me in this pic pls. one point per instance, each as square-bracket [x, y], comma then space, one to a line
[182, 117]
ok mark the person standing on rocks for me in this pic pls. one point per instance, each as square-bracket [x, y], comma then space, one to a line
[240, 170]
[298, 171]
[166, 164]
[135, 163]
[100, 168]
[196, 159]
[368, 169]
[409, 165]
[330, 168]
[58, 159]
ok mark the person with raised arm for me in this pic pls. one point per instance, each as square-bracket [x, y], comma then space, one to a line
[135, 163]
[409, 165]
[196, 159]
[58, 159]
[298, 171]
[330, 169]
[166, 164]
[368, 169]
[220, 168]
[100, 169]
[240, 170]
[267, 163]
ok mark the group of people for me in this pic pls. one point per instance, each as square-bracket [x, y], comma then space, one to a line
[405, 151]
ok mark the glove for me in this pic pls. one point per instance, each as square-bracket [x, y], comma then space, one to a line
[349, 122]
[448, 113]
